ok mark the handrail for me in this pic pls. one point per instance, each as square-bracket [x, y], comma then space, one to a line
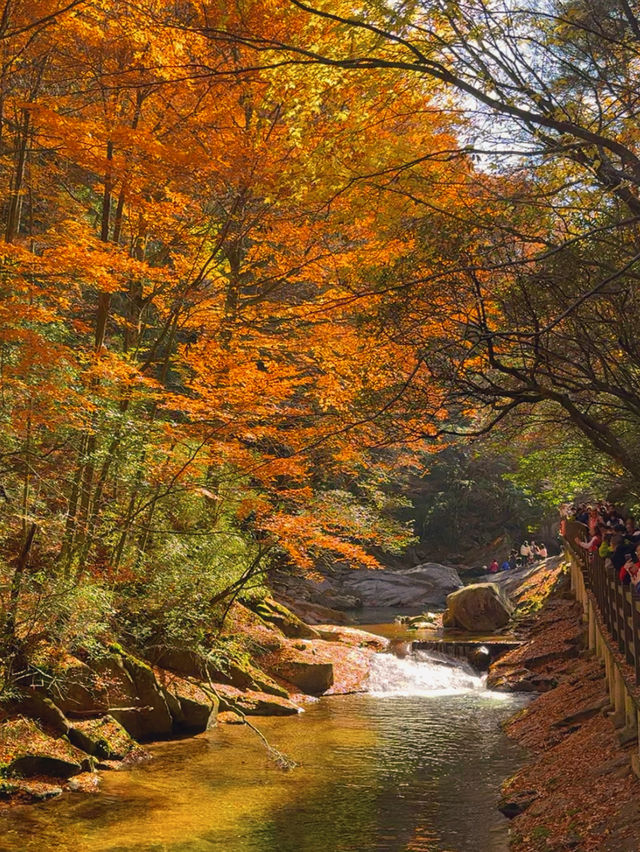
[616, 603]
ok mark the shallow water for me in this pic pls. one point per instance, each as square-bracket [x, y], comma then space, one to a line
[414, 765]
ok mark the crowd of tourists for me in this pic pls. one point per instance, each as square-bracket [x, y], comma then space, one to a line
[528, 553]
[613, 535]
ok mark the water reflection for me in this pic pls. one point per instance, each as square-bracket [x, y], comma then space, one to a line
[377, 774]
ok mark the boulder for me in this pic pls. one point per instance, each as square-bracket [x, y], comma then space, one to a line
[419, 622]
[229, 717]
[86, 782]
[148, 715]
[480, 658]
[277, 614]
[311, 677]
[192, 707]
[247, 676]
[320, 667]
[102, 686]
[448, 621]
[27, 751]
[425, 585]
[39, 791]
[44, 764]
[352, 636]
[514, 804]
[105, 738]
[197, 714]
[481, 608]
[78, 689]
[184, 661]
[38, 706]
[252, 703]
[242, 675]
[313, 613]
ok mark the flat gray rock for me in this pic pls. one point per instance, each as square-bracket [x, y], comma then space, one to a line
[425, 585]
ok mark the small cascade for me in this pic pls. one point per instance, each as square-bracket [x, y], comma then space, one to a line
[421, 673]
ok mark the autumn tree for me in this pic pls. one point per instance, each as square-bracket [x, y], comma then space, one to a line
[550, 103]
[192, 267]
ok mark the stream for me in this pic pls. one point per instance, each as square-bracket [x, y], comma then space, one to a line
[414, 764]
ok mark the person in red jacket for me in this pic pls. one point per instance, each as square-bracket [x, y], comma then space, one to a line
[494, 567]
[593, 543]
[630, 571]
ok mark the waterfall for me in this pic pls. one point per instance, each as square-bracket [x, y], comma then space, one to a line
[421, 673]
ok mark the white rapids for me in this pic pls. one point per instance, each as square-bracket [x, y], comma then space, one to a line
[421, 673]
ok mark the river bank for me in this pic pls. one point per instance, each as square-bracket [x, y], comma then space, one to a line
[278, 666]
[414, 763]
[577, 790]
[84, 714]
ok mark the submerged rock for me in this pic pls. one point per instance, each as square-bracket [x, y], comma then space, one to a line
[229, 717]
[40, 791]
[87, 782]
[517, 803]
[481, 608]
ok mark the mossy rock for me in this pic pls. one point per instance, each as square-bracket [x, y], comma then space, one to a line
[77, 686]
[125, 687]
[153, 718]
[248, 676]
[26, 750]
[38, 706]
[192, 707]
[104, 738]
[277, 614]
[480, 608]
[234, 672]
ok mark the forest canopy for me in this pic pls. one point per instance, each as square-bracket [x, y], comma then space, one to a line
[261, 259]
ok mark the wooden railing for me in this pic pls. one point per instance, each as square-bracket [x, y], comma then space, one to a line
[617, 605]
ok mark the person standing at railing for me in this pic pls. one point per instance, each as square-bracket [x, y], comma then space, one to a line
[606, 549]
[630, 574]
[632, 534]
[592, 545]
[613, 518]
[621, 548]
[582, 514]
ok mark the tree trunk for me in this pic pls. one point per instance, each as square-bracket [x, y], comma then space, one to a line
[9, 638]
